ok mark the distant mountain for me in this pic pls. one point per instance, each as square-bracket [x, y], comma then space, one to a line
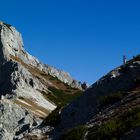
[109, 109]
[29, 89]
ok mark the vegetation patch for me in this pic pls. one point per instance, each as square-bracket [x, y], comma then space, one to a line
[77, 133]
[114, 129]
[60, 97]
[111, 99]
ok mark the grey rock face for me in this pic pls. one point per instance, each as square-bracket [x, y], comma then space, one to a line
[15, 82]
[11, 44]
[15, 121]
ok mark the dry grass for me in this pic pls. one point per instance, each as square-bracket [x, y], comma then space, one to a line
[33, 107]
[34, 137]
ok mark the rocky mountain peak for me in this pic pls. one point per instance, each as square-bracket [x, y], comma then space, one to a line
[11, 46]
[11, 41]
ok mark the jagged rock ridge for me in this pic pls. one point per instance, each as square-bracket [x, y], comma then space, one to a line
[12, 45]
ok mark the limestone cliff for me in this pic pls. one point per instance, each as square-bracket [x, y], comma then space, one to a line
[12, 46]
[27, 87]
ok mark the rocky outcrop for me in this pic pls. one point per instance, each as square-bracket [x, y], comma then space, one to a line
[15, 122]
[17, 81]
[11, 44]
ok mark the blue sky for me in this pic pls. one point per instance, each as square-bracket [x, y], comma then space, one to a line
[87, 38]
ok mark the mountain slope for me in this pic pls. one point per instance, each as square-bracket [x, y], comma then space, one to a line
[119, 120]
[107, 91]
[28, 88]
[122, 118]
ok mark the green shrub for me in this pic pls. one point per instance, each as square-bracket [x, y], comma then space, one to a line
[107, 131]
[60, 97]
[117, 127]
[131, 118]
[75, 134]
[111, 99]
